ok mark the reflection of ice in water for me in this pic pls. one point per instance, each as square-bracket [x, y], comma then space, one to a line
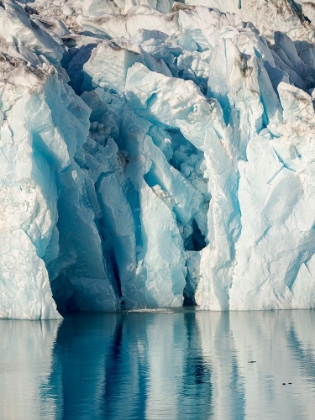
[282, 344]
[84, 352]
[179, 365]
[25, 365]
[166, 349]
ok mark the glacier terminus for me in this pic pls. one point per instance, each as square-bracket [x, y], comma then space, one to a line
[156, 154]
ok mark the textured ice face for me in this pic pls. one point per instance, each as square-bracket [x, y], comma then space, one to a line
[43, 127]
[28, 199]
[294, 18]
[151, 158]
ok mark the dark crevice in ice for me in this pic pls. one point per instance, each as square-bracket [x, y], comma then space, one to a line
[188, 300]
[63, 294]
[196, 241]
[115, 270]
[73, 62]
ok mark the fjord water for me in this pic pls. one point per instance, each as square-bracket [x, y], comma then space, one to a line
[160, 365]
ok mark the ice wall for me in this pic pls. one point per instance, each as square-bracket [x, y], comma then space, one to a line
[154, 158]
[47, 222]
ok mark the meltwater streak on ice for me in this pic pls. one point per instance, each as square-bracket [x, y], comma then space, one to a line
[179, 364]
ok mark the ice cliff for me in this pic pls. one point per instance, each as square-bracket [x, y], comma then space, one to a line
[155, 154]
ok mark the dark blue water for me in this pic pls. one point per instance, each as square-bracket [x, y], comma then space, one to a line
[160, 365]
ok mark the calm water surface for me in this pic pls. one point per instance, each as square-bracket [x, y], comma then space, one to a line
[160, 365]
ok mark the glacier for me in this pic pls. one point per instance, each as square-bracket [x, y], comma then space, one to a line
[156, 154]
